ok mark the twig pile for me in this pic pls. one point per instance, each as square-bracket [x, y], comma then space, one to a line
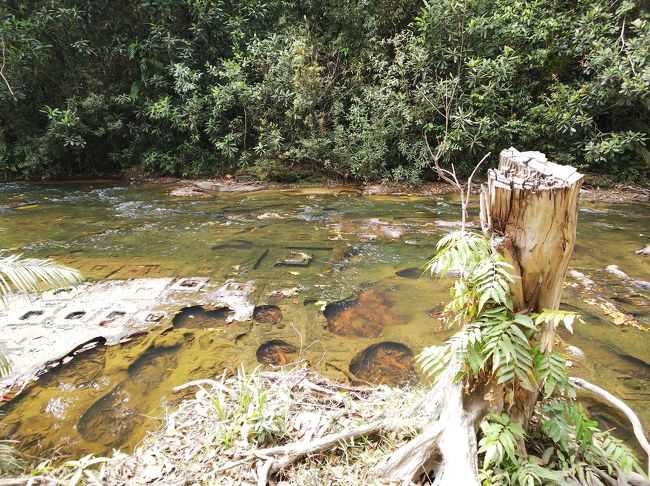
[279, 428]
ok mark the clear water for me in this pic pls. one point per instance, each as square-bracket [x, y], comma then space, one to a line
[365, 251]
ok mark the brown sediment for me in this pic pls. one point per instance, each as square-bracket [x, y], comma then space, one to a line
[386, 363]
[267, 314]
[365, 316]
[276, 353]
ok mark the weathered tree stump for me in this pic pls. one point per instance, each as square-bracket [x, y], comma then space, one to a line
[529, 211]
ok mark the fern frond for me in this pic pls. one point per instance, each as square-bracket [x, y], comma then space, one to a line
[550, 369]
[615, 454]
[499, 441]
[508, 347]
[527, 472]
[459, 251]
[434, 360]
[578, 437]
[491, 279]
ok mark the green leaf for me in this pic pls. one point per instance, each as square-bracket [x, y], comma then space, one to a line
[30, 275]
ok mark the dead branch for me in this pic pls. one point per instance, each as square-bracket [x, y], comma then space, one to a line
[200, 383]
[2, 66]
[20, 481]
[263, 472]
[281, 456]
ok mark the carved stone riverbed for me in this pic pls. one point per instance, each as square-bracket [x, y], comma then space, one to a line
[187, 288]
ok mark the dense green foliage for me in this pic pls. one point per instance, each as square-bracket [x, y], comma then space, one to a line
[501, 348]
[287, 88]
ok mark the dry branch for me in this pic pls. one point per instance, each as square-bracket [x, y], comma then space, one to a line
[622, 406]
[285, 455]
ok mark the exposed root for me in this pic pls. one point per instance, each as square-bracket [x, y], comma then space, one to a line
[622, 406]
[446, 448]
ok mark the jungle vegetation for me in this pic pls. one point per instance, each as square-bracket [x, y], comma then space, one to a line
[279, 89]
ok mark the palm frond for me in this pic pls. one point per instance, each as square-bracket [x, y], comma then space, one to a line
[5, 364]
[33, 275]
[9, 457]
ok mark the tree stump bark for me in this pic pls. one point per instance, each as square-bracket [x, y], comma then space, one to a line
[529, 211]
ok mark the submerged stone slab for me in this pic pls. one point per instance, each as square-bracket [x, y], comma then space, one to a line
[38, 332]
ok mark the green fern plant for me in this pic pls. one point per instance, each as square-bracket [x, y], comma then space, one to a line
[571, 445]
[501, 346]
[500, 437]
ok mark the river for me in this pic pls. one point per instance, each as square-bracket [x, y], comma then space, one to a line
[339, 284]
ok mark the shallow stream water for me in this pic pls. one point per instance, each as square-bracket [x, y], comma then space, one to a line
[338, 281]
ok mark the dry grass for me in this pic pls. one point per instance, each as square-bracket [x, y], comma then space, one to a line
[221, 434]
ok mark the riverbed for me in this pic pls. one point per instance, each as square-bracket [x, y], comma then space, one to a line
[338, 284]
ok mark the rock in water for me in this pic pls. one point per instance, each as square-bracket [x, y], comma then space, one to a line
[267, 314]
[228, 186]
[387, 363]
[614, 270]
[205, 185]
[575, 352]
[581, 277]
[276, 353]
[642, 284]
[643, 251]
[365, 316]
[295, 259]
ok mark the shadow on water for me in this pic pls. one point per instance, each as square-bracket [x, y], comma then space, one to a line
[233, 245]
[410, 273]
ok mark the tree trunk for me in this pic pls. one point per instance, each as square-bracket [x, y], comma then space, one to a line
[529, 211]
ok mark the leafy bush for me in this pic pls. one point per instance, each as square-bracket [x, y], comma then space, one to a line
[310, 87]
[501, 347]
